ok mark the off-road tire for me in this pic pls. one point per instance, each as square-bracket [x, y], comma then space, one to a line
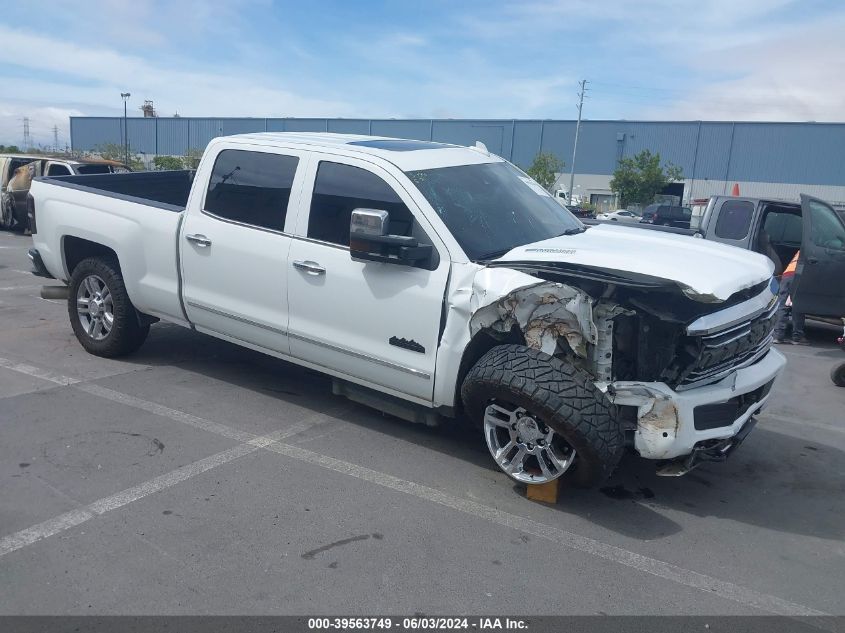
[127, 334]
[837, 375]
[561, 395]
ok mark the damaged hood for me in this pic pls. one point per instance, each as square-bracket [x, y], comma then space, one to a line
[706, 271]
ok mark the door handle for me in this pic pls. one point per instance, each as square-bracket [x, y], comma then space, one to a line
[200, 240]
[312, 268]
[813, 260]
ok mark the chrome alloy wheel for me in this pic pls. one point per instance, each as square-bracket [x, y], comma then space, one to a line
[524, 447]
[94, 307]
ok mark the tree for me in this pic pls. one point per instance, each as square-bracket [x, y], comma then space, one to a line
[640, 178]
[115, 152]
[167, 162]
[10, 149]
[191, 159]
[545, 168]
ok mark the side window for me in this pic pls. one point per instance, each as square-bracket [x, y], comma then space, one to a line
[251, 187]
[734, 219]
[825, 229]
[58, 170]
[339, 189]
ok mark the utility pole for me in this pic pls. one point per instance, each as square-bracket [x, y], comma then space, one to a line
[27, 137]
[125, 96]
[581, 93]
[56, 138]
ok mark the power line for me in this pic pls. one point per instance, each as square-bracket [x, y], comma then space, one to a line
[581, 93]
[27, 138]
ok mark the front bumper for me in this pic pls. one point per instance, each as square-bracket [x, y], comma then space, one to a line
[667, 419]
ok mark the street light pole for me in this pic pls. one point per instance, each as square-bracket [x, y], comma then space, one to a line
[125, 96]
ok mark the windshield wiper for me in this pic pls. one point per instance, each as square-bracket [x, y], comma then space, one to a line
[574, 230]
[486, 257]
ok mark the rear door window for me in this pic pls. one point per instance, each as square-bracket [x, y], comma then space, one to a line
[734, 219]
[251, 188]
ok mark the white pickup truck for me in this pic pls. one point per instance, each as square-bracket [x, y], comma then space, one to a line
[433, 282]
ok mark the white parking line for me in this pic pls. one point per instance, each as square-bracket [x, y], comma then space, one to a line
[68, 520]
[627, 558]
[36, 372]
[7, 288]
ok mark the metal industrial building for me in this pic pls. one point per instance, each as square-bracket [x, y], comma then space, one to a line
[764, 159]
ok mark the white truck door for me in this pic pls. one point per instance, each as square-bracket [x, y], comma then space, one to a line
[373, 323]
[234, 249]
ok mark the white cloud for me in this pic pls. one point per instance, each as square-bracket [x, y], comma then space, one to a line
[793, 76]
[42, 121]
[97, 76]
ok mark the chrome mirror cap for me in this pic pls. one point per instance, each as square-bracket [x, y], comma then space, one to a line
[369, 222]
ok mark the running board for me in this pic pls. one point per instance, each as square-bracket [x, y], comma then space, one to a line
[386, 403]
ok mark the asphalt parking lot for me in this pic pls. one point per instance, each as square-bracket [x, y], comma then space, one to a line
[199, 477]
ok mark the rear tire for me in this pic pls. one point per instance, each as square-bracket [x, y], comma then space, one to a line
[552, 394]
[837, 375]
[101, 314]
[6, 213]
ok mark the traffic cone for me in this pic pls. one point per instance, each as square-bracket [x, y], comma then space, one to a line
[735, 190]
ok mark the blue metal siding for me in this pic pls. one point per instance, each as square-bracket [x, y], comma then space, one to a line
[526, 142]
[674, 141]
[349, 126]
[88, 133]
[812, 154]
[172, 137]
[496, 135]
[806, 153]
[713, 144]
[400, 128]
[142, 135]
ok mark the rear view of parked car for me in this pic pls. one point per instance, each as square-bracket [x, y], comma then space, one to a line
[667, 215]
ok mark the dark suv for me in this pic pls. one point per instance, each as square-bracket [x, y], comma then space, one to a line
[667, 215]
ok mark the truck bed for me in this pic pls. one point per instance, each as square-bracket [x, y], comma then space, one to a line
[164, 189]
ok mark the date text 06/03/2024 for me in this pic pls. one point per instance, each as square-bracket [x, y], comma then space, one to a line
[417, 623]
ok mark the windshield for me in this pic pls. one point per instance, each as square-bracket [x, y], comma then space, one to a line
[493, 207]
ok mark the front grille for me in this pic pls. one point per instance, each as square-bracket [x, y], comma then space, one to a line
[738, 346]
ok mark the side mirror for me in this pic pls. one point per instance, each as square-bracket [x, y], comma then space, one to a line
[369, 240]
[369, 222]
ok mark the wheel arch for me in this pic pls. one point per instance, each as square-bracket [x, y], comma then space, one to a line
[478, 346]
[75, 249]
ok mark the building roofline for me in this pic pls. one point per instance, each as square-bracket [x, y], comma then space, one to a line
[468, 120]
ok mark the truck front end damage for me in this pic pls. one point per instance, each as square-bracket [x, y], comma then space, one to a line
[686, 374]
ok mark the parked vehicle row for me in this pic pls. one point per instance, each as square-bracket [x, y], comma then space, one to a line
[620, 215]
[18, 170]
[433, 282]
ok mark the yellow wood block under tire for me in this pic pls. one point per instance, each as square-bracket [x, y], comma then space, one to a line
[547, 492]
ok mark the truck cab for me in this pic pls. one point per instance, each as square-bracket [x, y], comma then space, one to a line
[779, 229]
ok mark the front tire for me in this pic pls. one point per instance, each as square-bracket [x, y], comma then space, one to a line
[101, 314]
[543, 418]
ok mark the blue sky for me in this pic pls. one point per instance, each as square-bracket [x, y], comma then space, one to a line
[708, 59]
